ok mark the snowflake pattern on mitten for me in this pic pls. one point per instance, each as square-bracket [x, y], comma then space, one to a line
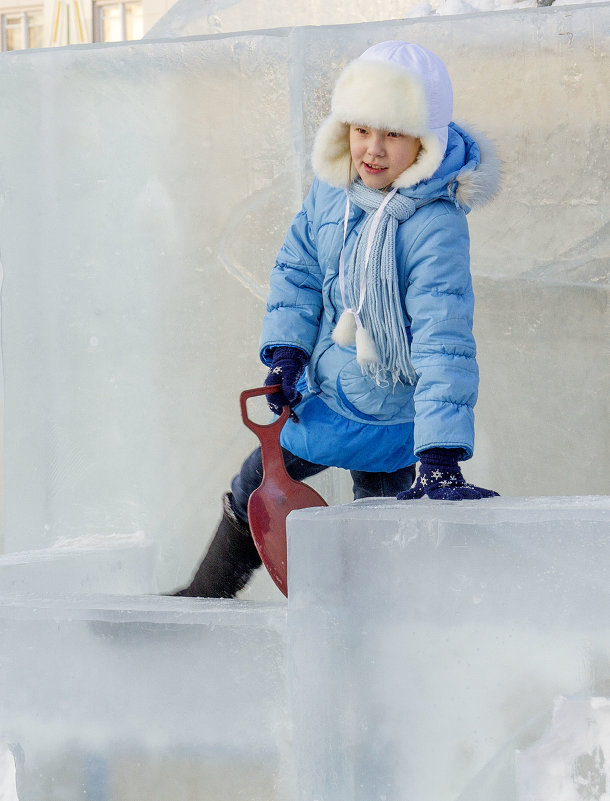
[441, 479]
[286, 368]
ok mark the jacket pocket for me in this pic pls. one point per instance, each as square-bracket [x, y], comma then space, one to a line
[368, 401]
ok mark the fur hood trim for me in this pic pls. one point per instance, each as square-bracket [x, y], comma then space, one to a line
[332, 162]
[477, 185]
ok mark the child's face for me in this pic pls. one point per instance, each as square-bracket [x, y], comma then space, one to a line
[381, 156]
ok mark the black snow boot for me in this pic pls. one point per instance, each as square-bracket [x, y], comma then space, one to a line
[230, 561]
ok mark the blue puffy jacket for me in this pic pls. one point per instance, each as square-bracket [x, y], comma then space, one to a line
[346, 419]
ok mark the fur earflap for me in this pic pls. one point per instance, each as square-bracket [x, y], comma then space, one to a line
[476, 187]
[330, 158]
[426, 164]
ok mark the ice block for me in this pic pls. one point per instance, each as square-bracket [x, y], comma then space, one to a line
[8, 786]
[145, 698]
[444, 634]
[191, 18]
[571, 761]
[112, 564]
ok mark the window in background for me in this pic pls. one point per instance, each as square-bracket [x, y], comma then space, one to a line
[117, 22]
[21, 30]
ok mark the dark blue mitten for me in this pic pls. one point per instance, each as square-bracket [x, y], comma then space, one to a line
[287, 367]
[440, 478]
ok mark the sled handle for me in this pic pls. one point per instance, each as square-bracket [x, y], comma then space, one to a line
[257, 428]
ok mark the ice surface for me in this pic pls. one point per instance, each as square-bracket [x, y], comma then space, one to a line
[571, 762]
[120, 296]
[111, 564]
[145, 698]
[193, 17]
[8, 785]
[424, 653]
[443, 635]
[146, 188]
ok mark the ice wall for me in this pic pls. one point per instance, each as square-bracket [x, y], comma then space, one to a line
[130, 308]
[462, 651]
[192, 17]
[145, 188]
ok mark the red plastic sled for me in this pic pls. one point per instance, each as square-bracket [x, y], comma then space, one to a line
[277, 495]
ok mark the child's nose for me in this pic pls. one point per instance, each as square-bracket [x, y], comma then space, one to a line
[376, 144]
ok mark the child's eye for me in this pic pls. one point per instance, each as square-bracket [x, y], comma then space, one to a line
[361, 130]
[394, 134]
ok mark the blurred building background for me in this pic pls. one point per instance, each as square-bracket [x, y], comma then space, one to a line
[48, 23]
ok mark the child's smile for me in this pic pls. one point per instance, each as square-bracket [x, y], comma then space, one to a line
[381, 156]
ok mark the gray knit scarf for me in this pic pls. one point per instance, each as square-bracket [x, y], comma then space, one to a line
[374, 318]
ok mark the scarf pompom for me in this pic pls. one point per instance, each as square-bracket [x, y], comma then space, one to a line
[366, 352]
[345, 330]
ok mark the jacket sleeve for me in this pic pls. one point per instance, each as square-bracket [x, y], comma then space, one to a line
[294, 303]
[440, 306]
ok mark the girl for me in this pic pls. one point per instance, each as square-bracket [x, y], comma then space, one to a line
[369, 318]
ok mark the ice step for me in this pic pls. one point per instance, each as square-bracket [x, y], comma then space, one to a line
[443, 635]
[131, 698]
[121, 564]
[423, 653]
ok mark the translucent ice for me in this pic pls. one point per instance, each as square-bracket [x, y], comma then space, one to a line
[110, 564]
[146, 188]
[443, 635]
[8, 786]
[192, 17]
[425, 645]
[572, 761]
[145, 698]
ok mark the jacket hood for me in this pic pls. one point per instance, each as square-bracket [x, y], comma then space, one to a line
[468, 175]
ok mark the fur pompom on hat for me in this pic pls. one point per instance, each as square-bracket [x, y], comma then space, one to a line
[392, 86]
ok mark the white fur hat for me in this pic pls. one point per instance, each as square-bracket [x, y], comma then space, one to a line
[393, 86]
